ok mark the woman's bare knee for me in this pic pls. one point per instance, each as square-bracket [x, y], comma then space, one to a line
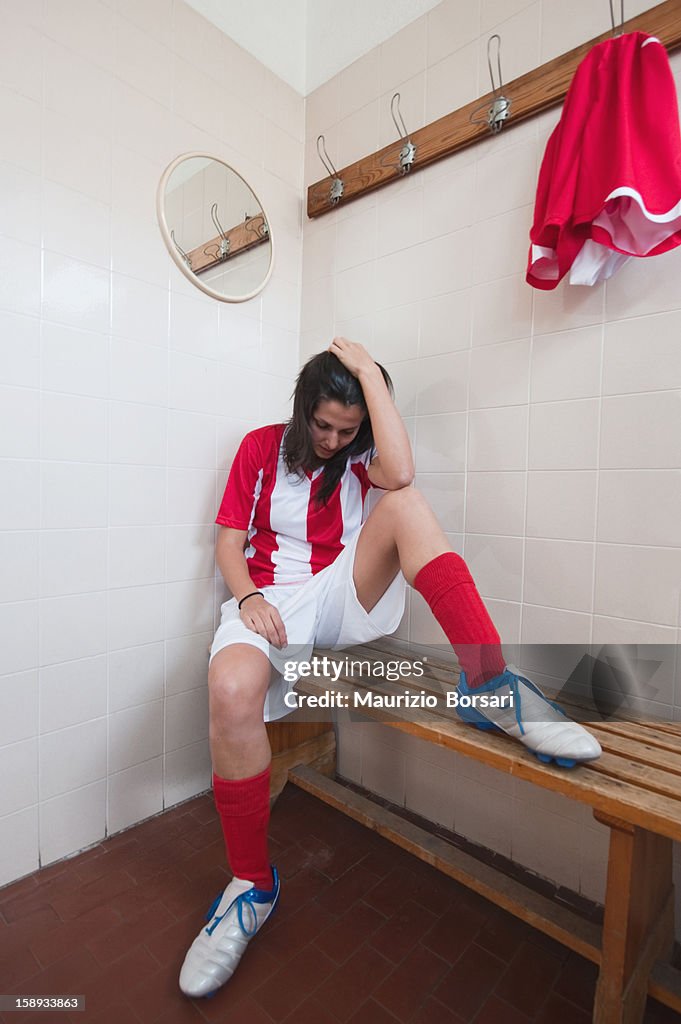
[237, 684]
[400, 500]
[404, 508]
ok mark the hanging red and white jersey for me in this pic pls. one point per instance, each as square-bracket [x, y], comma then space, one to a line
[610, 181]
[289, 537]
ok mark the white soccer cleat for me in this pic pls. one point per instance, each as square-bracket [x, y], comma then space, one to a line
[234, 918]
[530, 717]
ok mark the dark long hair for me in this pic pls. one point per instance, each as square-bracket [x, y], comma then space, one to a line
[323, 377]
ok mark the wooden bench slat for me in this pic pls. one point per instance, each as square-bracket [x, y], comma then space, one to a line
[669, 728]
[648, 779]
[639, 750]
[664, 985]
[655, 733]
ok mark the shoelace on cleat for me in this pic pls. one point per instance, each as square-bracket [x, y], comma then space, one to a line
[511, 679]
[248, 900]
[249, 897]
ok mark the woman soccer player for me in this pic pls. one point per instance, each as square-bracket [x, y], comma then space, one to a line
[305, 570]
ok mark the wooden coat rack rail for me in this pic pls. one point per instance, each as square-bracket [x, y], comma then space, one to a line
[253, 231]
[538, 90]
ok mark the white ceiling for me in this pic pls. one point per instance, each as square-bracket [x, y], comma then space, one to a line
[306, 42]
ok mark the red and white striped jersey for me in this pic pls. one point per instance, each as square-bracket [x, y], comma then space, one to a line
[289, 538]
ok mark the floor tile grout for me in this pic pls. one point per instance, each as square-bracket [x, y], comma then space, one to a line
[422, 930]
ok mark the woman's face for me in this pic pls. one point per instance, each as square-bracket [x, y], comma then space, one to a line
[333, 426]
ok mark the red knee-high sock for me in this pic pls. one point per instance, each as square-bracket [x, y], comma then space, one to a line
[450, 591]
[244, 809]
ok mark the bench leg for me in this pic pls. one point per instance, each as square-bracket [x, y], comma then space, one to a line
[639, 920]
[299, 742]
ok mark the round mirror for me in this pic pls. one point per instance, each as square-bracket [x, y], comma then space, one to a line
[215, 227]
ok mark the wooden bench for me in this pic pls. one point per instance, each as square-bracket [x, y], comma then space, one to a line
[634, 789]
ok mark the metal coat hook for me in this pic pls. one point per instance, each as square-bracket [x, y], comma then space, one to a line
[612, 17]
[337, 187]
[183, 254]
[262, 231]
[408, 151]
[498, 113]
[213, 250]
[224, 238]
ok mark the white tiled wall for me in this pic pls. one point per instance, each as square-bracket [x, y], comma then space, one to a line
[123, 394]
[546, 424]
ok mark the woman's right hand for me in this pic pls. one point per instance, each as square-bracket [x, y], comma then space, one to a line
[262, 617]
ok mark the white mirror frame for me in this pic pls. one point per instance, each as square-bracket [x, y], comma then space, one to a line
[170, 246]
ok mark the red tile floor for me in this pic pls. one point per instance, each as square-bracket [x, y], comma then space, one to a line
[364, 934]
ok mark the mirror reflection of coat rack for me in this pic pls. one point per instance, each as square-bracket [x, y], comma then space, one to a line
[227, 244]
[196, 196]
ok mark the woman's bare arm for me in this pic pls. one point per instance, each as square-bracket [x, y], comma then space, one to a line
[256, 613]
[394, 467]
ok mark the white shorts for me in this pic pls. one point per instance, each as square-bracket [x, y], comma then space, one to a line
[324, 612]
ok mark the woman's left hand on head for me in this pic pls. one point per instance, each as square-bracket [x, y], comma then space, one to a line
[352, 355]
